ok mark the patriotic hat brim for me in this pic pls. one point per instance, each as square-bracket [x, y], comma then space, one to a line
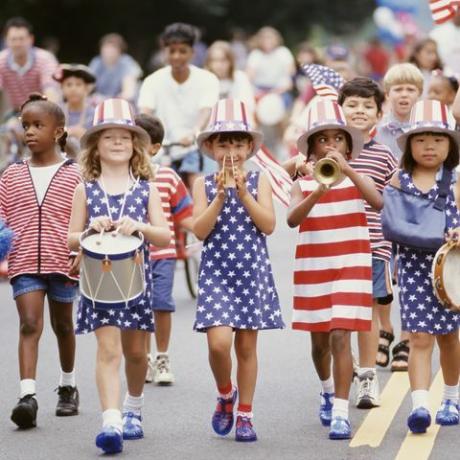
[427, 128]
[356, 137]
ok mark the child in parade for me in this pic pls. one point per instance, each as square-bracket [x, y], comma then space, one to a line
[117, 195]
[431, 148]
[443, 89]
[233, 213]
[361, 100]
[177, 208]
[332, 277]
[35, 202]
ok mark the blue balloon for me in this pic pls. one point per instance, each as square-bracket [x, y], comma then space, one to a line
[409, 6]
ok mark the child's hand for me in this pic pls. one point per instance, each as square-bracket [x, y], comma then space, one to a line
[240, 183]
[303, 167]
[340, 159]
[220, 182]
[127, 226]
[101, 223]
[74, 264]
[453, 236]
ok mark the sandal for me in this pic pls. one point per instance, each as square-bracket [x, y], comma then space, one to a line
[385, 340]
[400, 356]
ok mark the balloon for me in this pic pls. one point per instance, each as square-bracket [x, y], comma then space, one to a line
[384, 17]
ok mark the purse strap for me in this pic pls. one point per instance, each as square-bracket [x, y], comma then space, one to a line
[444, 186]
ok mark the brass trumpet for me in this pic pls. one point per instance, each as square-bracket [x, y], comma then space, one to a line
[327, 171]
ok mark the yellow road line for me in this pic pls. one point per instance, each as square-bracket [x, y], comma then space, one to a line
[419, 446]
[375, 425]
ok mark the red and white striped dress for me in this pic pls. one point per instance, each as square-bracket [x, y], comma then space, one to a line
[333, 268]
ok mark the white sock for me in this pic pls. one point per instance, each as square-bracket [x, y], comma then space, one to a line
[363, 370]
[419, 399]
[340, 408]
[112, 417]
[162, 354]
[244, 414]
[67, 379]
[27, 387]
[451, 392]
[133, 404]
[328, 385]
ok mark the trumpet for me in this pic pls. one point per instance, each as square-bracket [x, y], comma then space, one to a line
[327, 171]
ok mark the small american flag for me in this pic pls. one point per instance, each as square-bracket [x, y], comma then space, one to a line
[443, 10]
[326, 82]
[279, 179]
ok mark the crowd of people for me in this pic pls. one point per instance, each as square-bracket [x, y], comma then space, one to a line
[85, 141]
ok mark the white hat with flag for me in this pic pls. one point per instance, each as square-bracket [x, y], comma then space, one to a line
[114, 113]
[327, 114]
[229, 116]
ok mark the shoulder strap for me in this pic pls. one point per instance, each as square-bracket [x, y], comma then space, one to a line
[444, 186]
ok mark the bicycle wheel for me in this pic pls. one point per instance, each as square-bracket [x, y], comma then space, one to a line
[192, 263]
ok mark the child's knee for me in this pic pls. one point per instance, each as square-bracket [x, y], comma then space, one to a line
[340, 341]
[63, 328]
[219, 348]
[31, 327]
[420, 340]
[136, 357]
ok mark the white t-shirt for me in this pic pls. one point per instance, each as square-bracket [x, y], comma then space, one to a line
[271, 70]
[41, 177]
[447, 36]
[177, 105]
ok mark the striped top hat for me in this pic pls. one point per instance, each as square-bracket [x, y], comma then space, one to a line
[114, 113]
[327, 114]
[430, 116]
[229, 116]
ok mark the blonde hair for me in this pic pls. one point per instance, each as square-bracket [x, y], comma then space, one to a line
[228, 53]
[403, 74]
[90, 164]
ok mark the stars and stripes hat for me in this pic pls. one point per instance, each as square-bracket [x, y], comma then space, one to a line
[327, 114]
[430, 116]
[229, 116]
[114, 113]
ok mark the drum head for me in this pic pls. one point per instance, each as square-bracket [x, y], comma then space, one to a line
[270, 109]
[451, 275]
[110, 243]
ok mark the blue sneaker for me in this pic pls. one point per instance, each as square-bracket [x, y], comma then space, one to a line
[340, 428]
[110, 440]
[132, 426]
[244, 430]
[447, 413]
[419, 420]
[325, 408]
[222, 419]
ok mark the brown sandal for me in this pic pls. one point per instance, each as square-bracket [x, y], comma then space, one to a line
[400, 356]
[384, 347]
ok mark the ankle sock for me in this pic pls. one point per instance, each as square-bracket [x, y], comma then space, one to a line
[363, 370]
[244, 410]
[419, 399]
[226, 392]
[67, 379]
[27, 387]
[340, 408]
[328, 385]
[451, 392]
[112, 417]
[133, 404]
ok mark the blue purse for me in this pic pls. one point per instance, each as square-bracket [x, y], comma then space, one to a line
[416, 221]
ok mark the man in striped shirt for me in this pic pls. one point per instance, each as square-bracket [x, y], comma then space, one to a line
[24, 68]
[361, 100]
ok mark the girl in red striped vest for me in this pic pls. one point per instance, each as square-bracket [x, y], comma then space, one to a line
[332, 275]
[35, 202]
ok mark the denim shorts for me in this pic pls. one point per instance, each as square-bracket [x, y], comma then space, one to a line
[162, 281]
[58, 287]
[194, 162]
[381, 281]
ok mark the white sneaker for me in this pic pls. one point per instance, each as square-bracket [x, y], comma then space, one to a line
[368, 391]
[162, 374]
[149, 375]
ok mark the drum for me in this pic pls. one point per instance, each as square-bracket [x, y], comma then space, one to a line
[446, 276]
[112, 269]
[270, 109]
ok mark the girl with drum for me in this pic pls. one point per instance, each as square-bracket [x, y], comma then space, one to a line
[233, 213]
[431, 149]
[35, 201]
[118, 201]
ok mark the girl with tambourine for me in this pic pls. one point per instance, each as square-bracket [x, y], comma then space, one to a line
[431, 152]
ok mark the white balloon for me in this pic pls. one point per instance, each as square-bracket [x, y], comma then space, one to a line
[384, 17]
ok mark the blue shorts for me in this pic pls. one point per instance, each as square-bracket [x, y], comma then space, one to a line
[381, 281]
[162, 282]
[194, 162]
[58, 287]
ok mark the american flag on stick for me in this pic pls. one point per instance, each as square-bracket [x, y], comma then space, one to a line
[443, 10]
[279, 179]
[326, 82]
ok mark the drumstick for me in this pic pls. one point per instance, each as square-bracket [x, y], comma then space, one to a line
[224, 171]
[101, 235]
[233, 165]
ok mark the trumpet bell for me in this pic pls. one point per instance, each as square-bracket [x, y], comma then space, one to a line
[326, 171]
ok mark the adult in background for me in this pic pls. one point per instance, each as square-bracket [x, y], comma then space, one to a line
[117, 73]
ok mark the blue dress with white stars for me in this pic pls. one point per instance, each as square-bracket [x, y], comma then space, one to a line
[420, 309]
[235, 283]
[138, 316]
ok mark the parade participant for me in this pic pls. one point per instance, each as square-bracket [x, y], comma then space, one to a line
[181, 96]
[117, 195]
[35, 201]
[233, 213]
[77, 82]
[332, 278]
[443, 89]
[431, 151]
[361, 100]
[177, 208]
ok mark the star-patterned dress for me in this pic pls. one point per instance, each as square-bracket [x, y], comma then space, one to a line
[138, 316]
[235, 284]
[420, 309]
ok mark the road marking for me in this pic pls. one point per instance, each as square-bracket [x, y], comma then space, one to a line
[419, 446]
[375, 425]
